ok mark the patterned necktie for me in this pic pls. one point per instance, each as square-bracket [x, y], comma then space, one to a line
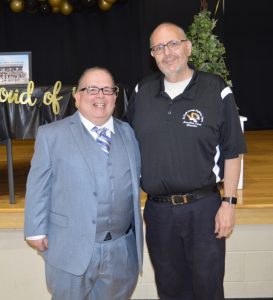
[103, 139]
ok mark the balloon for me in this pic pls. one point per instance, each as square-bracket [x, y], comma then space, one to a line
[89, 3]
[73, 2]
[55, 9]
[31, 6]
[103, 5]
[45, 8]
[17, 5]
[66, 8]
[55, 2]
[78, 6]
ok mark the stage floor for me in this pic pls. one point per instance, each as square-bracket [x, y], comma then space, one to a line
[255, 199]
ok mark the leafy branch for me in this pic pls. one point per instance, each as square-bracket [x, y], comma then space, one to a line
[208, 53]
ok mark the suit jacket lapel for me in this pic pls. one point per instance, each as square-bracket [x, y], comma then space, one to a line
[77, 131]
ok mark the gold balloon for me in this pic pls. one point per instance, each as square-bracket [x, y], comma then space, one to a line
[17, 5]
[66, 8]
[111, 1]
[55, 3]
[55, 9]
[104, 5]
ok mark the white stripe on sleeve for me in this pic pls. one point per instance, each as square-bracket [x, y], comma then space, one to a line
[227, 90]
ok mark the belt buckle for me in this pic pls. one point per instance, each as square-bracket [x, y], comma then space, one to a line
[184, 197]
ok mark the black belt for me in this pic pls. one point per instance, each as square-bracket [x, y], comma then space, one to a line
[185, 198]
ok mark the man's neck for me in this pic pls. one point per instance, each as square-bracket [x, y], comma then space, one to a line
[177, 77]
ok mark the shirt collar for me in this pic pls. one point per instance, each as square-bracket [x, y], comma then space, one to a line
[89, 125]
[190, 90]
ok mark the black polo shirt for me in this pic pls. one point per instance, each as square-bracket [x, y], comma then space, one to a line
[184, 141]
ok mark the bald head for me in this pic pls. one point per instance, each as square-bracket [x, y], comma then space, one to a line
[167, 27]
[92, 70]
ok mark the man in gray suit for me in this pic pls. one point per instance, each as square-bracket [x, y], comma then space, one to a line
[82, 201]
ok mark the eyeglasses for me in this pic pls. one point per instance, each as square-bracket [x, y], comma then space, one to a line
[93, 90]
[172, 45]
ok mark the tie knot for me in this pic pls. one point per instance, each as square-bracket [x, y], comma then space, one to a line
[103, 139]
[99, 131]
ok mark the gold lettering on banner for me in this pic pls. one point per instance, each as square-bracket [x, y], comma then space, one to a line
[27, 95]
[49, 98]
[9, 96]
[5, 95]
[13, 96]
[52, 99]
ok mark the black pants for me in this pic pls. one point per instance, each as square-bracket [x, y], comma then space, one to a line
[188, 260]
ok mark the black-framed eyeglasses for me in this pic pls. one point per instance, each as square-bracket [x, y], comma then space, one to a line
[172, 45]
[94, 90]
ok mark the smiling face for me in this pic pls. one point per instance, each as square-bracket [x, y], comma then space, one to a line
[172, 63]
[96, 108]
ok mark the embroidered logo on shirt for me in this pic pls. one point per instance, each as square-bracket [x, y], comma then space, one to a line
[193, 118]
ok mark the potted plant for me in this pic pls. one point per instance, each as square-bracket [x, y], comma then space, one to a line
[207, 51]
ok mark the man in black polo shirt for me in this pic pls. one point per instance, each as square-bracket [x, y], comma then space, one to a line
[190, 138]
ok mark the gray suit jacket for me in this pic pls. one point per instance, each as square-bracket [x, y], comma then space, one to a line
[61, 193]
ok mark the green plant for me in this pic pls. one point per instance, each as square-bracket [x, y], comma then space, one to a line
[207, 51]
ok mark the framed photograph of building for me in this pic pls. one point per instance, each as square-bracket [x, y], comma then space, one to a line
[15, 68]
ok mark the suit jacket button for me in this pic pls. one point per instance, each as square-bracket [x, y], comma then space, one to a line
[94, 193]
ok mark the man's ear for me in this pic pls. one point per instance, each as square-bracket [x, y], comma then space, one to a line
[76, 97]
[189, 47]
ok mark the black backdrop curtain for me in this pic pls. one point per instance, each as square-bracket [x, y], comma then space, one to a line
[248, 36]
[63, 46]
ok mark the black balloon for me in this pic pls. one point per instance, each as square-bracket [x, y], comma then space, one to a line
[45, 8]
[31, 6]
[78, 7]
[89, 3]
[74, 2]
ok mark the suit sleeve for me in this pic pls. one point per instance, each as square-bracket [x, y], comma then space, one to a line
[38, 189]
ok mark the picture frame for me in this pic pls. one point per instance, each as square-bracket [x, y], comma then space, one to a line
[15, 68]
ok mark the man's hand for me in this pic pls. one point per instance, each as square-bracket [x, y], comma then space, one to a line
[41, 244]
[224, 220]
